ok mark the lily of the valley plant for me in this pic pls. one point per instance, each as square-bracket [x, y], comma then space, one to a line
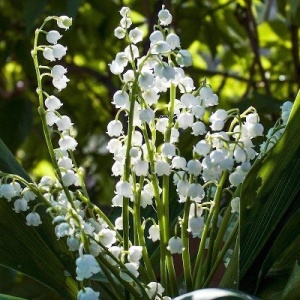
[144, 252]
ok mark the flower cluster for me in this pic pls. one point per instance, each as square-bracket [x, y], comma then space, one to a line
[148, 164]
[225, 146]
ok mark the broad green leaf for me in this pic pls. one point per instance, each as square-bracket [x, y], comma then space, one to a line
[8, 163]
[16, 118]
[35, 252]
[279, 276]
[7, 297]
[72, 7]
[32, 10]
[285, 239]
[267, 195]
[292, 289]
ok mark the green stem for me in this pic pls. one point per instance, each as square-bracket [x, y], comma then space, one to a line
[216, 210]
[140, 233]
[197, 273]
[186, 259]
[221, 256]
[126, 175]
[221, 232]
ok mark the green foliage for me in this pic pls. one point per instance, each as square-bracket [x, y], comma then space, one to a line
[7, 297]
[27, 249]
[248, 54]
[269, 221]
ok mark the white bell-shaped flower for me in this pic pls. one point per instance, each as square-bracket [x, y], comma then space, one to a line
[141, 167]
[195, 190]
[132, 52]
[20, 205]
[123, 188]
[237, 177]
[146, 199]
[63, 229]
[185, 120]
[217, 125]
[60, 83]
[64, 22]
[64, 123]
[151, 96]
[125, 22]
[198, 111]
[73, 243]
[146, 115]
[125, 11]
[67, 142]
[175, 245]
[168, 150]
[117, 168]
[188, 100]
[202, 148]
[33, 219]
[87, 266]
[135, 254]
[174, 135]
[53, 36]
[114, 145]
[240, 155]
[121, 99]
[88, 293]
[161, 124]
[156, 36]
[59, 51]
[135, 35]
[119, 223]
[28, 194]
[178, 162]
[48, 54]
[196, 225]
[52, 103]
[133, 269]
[154, 234]
[69, 178]
[164, 16]
[107, 237]
[194, 167]
[117, 201]
[7, 191]
[184, 58]
[119, 32]
[217, 156]
[65, 162]
[116, 68]
[235, 205]
[146, 80]
[199, 128]
[182, 187]
[162, 168]
[160, 47]
[173, 40]
[154, 289]
[58, 71]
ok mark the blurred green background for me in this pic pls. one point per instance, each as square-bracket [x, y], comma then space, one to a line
[247, 50]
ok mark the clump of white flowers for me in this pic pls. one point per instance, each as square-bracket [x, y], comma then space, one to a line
[148, 164]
